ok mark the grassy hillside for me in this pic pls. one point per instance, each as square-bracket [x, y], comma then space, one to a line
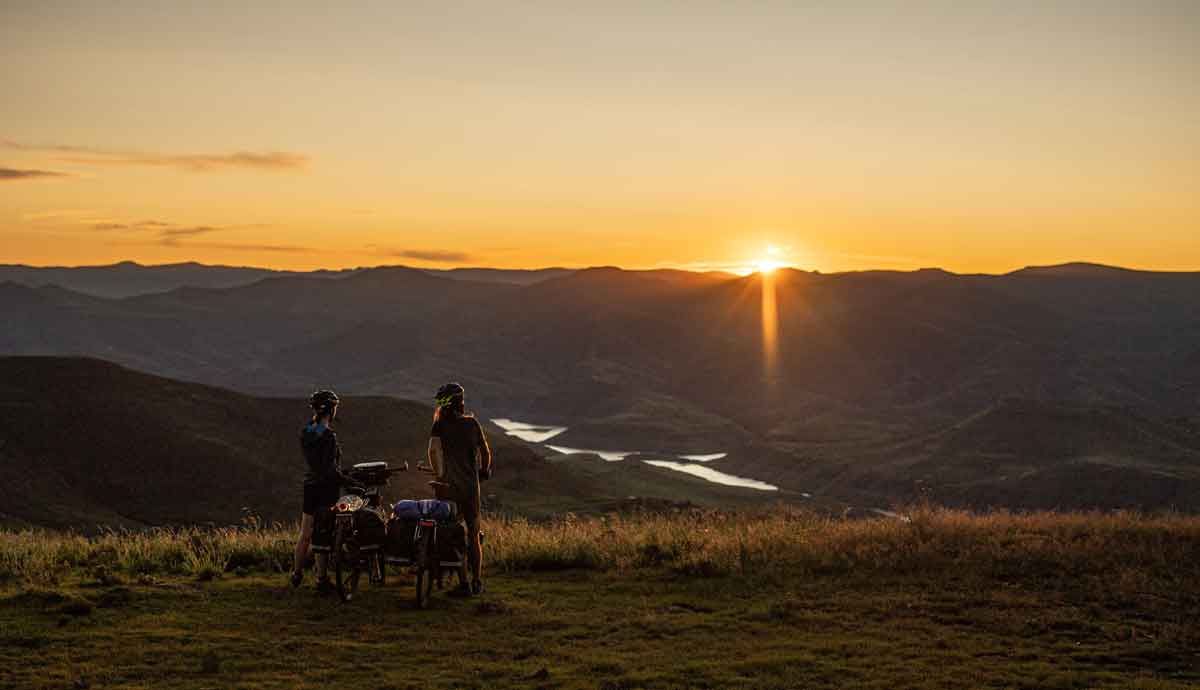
[697, 599]
[87, 443]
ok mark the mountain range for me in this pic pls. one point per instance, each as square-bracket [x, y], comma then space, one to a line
[1062, 386]
[129, 278]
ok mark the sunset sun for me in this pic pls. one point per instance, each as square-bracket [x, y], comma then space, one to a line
[766, 265]
[768, 262]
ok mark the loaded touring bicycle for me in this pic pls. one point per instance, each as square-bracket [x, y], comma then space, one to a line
[364, 535]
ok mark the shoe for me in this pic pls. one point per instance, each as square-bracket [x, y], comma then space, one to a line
[477, 587]
[325, 586]
[297, 578]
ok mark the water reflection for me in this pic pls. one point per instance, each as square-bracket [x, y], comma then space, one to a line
[704, 458]
[533, 433]
[540, 433]
[609, 455]
[712, 475]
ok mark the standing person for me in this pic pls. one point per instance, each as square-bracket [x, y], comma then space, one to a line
[460, 456]
[322, 482]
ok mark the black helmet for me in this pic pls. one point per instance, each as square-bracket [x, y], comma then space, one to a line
[323, 401]
[447, 393]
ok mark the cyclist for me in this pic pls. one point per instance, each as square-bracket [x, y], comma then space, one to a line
[460, 456]
[322, 484]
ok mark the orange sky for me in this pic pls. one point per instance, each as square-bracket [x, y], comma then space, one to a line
[869, 135]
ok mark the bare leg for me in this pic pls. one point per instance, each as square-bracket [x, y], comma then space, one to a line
[474, 551]
[304, 543]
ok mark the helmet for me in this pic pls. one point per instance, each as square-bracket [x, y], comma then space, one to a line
[323, 401]
[447, 393]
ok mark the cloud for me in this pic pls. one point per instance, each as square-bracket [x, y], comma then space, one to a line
[197, 162]
[168, 234]
[174, 236]
[435, 255]
[226, 246]
[13, 174]
[143, 225]
[189, 231]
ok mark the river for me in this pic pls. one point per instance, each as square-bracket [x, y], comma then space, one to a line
[540, 433]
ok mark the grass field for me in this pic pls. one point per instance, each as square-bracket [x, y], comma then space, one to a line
[946, 600]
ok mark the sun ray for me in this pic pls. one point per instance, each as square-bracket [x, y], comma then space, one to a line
[770, 324]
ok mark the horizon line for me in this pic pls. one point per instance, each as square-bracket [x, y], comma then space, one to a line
[732, 273]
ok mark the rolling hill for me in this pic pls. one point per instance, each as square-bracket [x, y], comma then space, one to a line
[870, 367]
[89, 443]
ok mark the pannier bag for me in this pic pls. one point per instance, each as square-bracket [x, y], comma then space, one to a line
[429, 508]
[371, 531]
[452, 542]
[400, 535]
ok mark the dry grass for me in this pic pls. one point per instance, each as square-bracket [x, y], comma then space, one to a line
[694, 599]
[1121, 547]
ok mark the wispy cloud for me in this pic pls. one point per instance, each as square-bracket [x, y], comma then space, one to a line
[14, 174]
[198, 162]
[192, 231]
[232, 246]
[441, 256]
[140, 225]
[159, 232]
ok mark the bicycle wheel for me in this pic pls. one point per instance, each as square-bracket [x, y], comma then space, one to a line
[424, 585]
[345, 563]
[425, 573]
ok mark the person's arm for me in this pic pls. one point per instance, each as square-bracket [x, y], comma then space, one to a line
[435, 457]
[485, 452]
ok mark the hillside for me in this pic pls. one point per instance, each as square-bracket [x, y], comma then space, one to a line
[89, 443]
[1022, 454]
[869, 367]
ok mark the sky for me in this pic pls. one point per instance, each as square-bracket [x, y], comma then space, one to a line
[973, 136]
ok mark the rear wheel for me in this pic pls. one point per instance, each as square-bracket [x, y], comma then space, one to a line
[425, 571]
[424, 587]
[345, 561]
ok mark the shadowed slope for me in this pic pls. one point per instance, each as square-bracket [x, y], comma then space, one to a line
[86, 442]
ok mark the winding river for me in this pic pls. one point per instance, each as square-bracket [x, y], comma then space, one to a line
[688, 464]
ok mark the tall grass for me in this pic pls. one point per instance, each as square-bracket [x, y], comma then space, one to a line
[1128, 548]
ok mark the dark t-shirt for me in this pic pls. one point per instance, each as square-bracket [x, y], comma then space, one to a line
[462, 438]
[322, 454]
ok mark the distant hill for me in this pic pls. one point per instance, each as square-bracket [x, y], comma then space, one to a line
[87, 443]
[129, 278]
[1024, 454]
[869, 366]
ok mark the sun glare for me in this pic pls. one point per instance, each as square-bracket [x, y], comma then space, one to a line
[766, 266]
[768, 263]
